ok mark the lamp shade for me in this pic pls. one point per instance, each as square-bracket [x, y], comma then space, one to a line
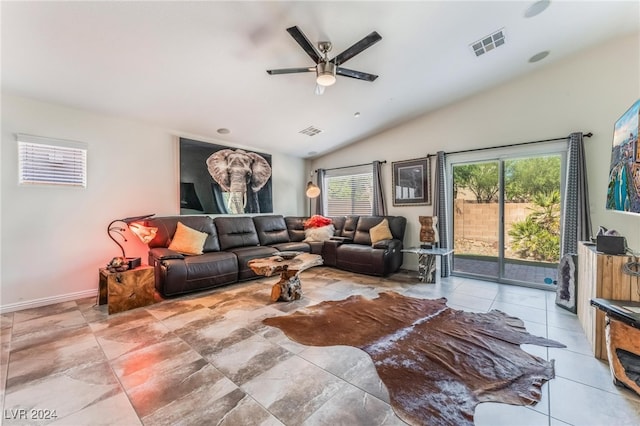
[145, 233]
[312, 190]
[325, 74]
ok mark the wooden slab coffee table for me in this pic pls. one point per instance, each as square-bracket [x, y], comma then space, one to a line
[288, 288]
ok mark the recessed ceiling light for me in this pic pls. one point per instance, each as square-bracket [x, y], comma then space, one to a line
[224, 131]
[539, 56]
[536, 8]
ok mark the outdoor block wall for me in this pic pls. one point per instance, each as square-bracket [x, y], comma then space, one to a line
[479, 221]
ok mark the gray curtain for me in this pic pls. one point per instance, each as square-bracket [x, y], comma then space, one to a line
[575, 209]
[441, 209]
[379, 209]
[320, 198]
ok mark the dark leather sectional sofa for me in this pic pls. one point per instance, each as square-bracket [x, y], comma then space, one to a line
[234, 240]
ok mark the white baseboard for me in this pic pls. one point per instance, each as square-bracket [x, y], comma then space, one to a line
[28, 304]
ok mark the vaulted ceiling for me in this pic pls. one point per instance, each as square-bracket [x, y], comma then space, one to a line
[197, 67]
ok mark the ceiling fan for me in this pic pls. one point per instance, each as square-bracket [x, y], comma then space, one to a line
[326, 69]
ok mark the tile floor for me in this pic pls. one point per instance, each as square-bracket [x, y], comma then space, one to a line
[208, 359]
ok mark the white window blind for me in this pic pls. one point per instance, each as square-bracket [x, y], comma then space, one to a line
[349, 191]
[47, 161]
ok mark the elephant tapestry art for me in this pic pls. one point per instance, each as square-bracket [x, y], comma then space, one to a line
[216, 179]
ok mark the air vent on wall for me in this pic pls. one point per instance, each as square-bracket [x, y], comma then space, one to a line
[310, 131]
[489, 42]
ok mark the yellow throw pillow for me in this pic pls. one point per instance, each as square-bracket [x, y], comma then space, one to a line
[187, 240]
[380, 232]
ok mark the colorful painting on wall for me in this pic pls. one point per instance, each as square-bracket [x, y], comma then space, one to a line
[623, 191]
[217, 179]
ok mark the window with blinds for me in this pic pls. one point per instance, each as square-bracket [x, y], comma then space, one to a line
[349, 191]
[46, 161]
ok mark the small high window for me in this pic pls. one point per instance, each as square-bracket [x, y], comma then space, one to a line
[47, 161]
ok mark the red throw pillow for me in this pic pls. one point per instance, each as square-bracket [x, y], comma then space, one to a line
[317, 221]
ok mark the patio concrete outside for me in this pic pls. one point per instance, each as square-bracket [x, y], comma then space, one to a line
[516, 271]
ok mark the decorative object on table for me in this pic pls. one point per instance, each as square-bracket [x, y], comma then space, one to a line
[611, 244]
[412, 343]
[428, 231]
[623, 191]
[411, 182]
[567, 283]
[289, 287]
[145, 234]
[223, 180]
[118, 264]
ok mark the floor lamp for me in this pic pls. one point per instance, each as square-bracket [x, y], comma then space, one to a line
[312, 192]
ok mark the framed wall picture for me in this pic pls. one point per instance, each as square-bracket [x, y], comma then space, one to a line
[411, 182]
[623, 191]
[218, 179]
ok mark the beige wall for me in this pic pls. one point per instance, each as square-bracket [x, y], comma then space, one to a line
[586, 92]
[54, 239]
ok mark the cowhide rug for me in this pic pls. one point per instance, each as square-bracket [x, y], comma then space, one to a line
[438, 363]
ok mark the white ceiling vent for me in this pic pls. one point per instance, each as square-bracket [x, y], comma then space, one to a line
[310, 131]
[489, 42]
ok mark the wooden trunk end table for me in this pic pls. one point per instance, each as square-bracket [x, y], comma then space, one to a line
[289, 287]
[126, 290]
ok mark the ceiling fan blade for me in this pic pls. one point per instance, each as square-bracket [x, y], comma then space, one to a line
[356, 74]
[363, 44]
[291, 70]
[304, 42]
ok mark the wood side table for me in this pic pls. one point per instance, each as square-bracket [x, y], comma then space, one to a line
[126, 290]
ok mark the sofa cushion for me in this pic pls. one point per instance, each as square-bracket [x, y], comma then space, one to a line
[238, 231]
[322, 233]
[295, 227]
[271, 229]
[349, 227]
[187, 240]
[380, 232]
[338, 223]
[167, 228]
[397, 226]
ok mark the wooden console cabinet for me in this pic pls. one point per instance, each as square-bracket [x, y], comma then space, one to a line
[126, 290]
[600, 276]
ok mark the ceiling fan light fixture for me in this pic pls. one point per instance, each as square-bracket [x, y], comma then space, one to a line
[326, 74]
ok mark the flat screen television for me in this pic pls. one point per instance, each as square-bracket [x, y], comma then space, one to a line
[623, 191]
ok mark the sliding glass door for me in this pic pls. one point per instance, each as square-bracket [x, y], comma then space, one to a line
[506, 218]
